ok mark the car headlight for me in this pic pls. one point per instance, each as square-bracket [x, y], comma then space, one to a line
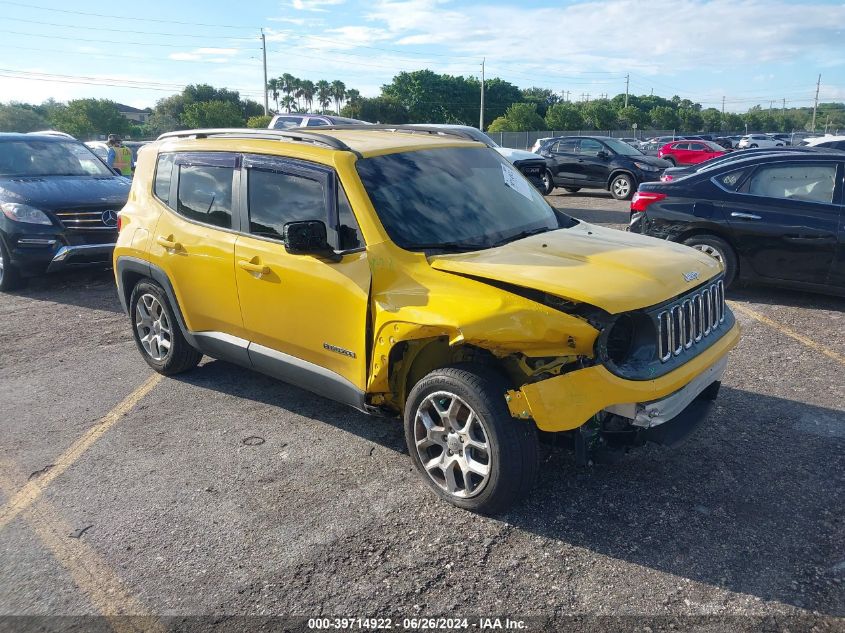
[25, 213]
[647, 167]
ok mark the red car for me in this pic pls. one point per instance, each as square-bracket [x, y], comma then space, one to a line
[689, 152]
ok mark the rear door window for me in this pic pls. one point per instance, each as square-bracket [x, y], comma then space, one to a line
[285, 122]
[697, 147]
[806, 182]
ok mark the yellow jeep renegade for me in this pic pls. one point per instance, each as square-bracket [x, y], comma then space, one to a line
[420, 275]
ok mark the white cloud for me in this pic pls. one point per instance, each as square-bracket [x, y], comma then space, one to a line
[212, 55]
[314, 5]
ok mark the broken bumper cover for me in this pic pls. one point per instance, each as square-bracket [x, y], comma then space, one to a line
[566, 402]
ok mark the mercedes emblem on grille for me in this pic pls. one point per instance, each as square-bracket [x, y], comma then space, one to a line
[690, 276]
[110, 217]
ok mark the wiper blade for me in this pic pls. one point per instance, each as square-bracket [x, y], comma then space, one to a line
[522, 235]
[449, 246]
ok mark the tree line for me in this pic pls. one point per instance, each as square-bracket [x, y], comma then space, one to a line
[411, 97]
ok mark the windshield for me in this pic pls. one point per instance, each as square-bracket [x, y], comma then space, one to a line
[49, 158]
[454, 198]
[620, 147]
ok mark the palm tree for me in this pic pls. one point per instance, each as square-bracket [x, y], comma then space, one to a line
[306, 91]
[353, 100]
[324, 94]
[273, 86]
[338, 92]
[288, 102]
[297, 92]
[288, 87]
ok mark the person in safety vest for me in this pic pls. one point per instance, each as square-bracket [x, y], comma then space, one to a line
[120, 157]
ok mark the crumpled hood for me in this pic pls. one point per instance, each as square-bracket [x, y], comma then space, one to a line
[611, 269]
[517, 154]
[57, 192]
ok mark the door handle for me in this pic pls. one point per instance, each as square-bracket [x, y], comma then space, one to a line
[745, 216]
[253, 266]
[168, 243]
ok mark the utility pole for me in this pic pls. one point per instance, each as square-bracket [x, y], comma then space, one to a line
[816, 102]
[567, 95]
[783, 108]
[588, 97]
[723, 106]
[481, 115]
[264, 54]
[627, 81]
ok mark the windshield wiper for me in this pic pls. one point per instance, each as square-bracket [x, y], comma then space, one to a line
[448, 246]
[522, 235]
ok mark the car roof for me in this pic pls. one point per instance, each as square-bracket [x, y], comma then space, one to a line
[50, 138]
[824, 139]
[316, 141]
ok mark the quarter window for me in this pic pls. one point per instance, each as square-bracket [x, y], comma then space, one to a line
[205, 194]
[277, 198]
[316, 122]
[807, 182]
[164, 171]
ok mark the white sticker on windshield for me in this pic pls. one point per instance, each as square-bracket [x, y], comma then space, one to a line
[516, 182]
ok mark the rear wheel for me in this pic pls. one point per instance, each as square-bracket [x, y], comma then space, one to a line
[10, 277]
[718, 249]
[753, 145]
[671, 159]
[573, 189]
[157, 333]
[464, 442]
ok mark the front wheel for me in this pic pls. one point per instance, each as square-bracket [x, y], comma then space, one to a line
[573, 189]
[464, 442]
[622, 187]
[10, 277]
[548, 183]
[753, 146]
[718, 249]
[157, 333]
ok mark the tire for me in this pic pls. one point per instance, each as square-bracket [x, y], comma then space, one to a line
[10, 277]
[511, 453]
[753, 146]
[671, 159]
[159, 325]
[719, 250]
[622, 187]
[573, 189]
[548, 183]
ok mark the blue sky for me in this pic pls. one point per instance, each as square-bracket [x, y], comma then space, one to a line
[749, 51]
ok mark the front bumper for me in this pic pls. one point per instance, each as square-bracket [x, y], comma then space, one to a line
[565, 402]
[82, 255]
[35, 250]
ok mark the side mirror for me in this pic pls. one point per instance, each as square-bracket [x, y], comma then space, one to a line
[603, 154]
[308, 237]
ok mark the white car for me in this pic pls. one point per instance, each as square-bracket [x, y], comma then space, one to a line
[100, 148]
[758, 140]
[536, 147]
[829, 141]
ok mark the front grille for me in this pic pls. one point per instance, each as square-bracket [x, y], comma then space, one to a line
[88, 219]
[685, 324]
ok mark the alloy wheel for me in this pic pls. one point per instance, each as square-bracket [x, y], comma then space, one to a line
[621, 187]
[2, 264]
[715, 253]
[452, 444]
[153, 327]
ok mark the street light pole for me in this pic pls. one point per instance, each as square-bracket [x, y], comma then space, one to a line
[264, 53]
[481, 115]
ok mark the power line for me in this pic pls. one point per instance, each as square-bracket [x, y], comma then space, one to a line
[114, 30]
[76, 39]
[123, 17]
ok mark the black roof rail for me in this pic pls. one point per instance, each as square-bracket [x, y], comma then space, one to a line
[411, 128]
[267, 134]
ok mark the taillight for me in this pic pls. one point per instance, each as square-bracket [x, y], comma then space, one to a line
[641, 200]
[666, 178]
[119, 222]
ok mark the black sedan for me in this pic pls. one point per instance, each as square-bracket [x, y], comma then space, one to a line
[774, 218]
[599, 162]
[673, 173]
[58, 206]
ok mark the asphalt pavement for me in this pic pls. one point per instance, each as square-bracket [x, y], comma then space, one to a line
[221, 493]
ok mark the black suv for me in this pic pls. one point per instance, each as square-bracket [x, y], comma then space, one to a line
[601, 162]
[58, 206]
